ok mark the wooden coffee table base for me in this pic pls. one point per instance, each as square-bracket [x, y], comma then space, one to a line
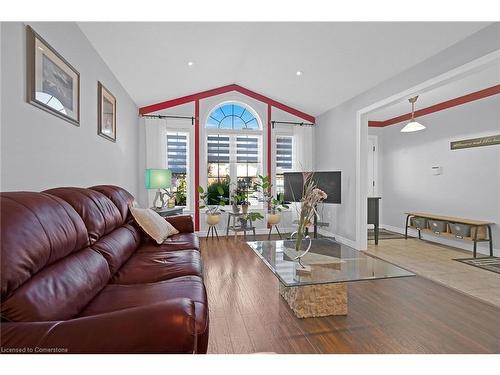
[309, 301]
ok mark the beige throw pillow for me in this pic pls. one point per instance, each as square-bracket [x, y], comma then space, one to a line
[153, 224]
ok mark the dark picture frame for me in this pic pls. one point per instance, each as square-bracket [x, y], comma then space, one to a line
[106, 113]
[53, 84]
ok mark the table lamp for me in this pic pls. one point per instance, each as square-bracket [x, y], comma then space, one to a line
[158, 179]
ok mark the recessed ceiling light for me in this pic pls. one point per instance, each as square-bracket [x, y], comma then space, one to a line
[298, 73]
[190, 63]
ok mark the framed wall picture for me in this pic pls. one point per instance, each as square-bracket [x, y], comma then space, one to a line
[106, 113]
[52, 83]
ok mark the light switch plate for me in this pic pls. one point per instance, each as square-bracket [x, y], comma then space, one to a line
[436, 170]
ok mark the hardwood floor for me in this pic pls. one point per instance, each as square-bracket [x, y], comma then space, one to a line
[406, 315]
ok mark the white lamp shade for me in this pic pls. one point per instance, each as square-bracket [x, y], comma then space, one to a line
[412, 126]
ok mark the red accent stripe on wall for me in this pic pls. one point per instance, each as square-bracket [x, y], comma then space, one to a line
[376, 124]
[490, 91]
[269, 144]
[196, 164]
[222, 90]
[269, 139]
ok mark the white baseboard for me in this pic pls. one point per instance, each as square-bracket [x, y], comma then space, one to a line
[321, 231]
[482, 247]
[338, 238]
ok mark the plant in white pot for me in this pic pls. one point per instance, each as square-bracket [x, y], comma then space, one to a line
[274, 205]
[237, 199]
[274, 214]
[213, 211]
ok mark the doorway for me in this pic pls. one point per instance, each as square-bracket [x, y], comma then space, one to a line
[372, 153]
[362, 175]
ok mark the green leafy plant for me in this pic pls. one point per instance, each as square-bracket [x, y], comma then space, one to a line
[180, 194]
[252, 216]
[206, 198]
[277, 204]
[238, 197]
[214, 191]
[264, 185]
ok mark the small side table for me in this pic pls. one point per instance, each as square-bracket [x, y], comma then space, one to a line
[173, 211]
[238, 228]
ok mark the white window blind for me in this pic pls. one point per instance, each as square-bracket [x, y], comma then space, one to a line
[247, 149]
[284, 152]
[177, 152]
[218, 149]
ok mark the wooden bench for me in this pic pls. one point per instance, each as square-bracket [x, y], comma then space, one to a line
[480, 230]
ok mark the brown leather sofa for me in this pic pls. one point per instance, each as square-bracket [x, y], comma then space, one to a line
[79, 276]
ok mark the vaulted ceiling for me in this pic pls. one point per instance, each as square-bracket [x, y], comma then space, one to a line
[338, 60]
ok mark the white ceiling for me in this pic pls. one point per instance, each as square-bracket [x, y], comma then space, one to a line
[487, 76]
[338, 60]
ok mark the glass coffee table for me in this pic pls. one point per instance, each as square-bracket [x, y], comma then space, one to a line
[321, 288]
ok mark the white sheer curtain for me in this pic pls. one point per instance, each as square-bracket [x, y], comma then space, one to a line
[156, 147]
[303, 150]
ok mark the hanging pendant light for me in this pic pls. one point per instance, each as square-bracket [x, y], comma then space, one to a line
[412, 126]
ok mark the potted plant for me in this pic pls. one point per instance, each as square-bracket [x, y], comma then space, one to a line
[277, 206]
[238, 198]
[213, 211]
[244, 206]
[274, 205]
[252, 216]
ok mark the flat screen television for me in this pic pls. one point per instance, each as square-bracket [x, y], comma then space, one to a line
[329, 182]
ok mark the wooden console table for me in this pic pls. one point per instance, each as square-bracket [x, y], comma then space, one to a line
[478, 228]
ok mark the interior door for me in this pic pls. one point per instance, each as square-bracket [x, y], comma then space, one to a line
[372, 166]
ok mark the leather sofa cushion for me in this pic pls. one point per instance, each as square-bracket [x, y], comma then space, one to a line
[60, 291]
[153, 266]
[121, 198]
[183, 223]
[117, 297]
[98, 212]
[181, 241]
[117, 246]
[36, 230]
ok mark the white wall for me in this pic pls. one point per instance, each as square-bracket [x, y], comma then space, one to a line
[40, 150]
[336, 138]
[470, 184]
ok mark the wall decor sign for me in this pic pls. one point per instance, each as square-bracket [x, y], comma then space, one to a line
[106, 113]
[476, 142]
[52, 83]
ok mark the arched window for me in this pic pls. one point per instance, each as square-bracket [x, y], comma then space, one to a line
[234, 148]
[232, 116]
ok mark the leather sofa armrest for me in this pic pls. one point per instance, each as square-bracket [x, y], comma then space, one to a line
[183, 223]
[165, 327]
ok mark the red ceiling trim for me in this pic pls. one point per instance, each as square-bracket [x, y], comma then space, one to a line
[221, 90]
[490, 91]
[376, 124]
